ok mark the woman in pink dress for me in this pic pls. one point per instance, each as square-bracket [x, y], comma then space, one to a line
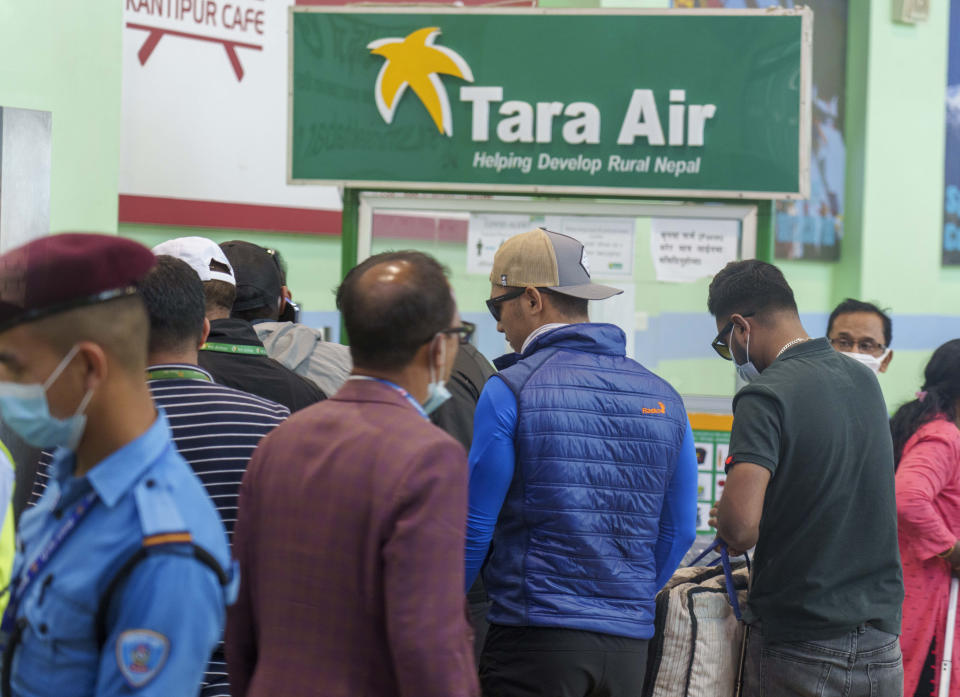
[926, 442]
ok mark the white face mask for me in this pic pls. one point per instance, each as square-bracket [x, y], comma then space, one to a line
[874, 363]
[748, 371]
[437, 392]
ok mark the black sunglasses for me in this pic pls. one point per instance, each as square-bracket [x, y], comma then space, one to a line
[720, 343]
[464, 332]
[493, 304]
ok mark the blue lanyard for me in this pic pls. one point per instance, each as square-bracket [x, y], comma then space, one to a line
[27, 576]
[406, 395]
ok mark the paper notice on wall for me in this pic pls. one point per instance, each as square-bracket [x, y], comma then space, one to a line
[686, 249]
[487, 231]
[608, 242]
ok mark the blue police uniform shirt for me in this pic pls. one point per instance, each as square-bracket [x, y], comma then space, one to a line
[164, 620]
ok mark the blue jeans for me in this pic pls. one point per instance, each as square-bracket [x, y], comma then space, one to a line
[863, 663]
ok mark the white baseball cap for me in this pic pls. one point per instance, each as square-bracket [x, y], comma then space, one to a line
[199, 253]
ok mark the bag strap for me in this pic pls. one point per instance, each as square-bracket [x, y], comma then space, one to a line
[728, 579]
[720, 547]
[151, 546]
[713, 545]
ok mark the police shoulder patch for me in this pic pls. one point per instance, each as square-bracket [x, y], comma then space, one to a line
[141, 654]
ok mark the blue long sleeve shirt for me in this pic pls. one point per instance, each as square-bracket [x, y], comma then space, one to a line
[492, 460]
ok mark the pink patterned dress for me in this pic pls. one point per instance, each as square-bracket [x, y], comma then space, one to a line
[928, 514]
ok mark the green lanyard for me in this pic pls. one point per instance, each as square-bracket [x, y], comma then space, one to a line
[234, 348]
[177, 374]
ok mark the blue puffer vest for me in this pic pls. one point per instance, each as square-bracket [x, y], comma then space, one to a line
[597, 441]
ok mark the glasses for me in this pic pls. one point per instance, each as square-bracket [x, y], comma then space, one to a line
[720, 343]
[493, 304]
[464, 332]
[847, 344]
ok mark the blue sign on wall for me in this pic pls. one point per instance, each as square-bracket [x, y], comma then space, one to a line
[951, 170]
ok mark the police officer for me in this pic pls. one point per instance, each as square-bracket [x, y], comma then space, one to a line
[122, 571]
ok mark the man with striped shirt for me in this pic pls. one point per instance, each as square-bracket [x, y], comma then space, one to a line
[215, 428]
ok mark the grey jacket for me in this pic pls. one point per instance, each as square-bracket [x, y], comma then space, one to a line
[303, 350]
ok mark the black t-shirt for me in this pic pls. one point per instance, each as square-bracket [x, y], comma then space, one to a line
[256, 374]
[827, 559]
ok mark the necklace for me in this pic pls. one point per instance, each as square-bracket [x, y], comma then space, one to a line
[798, 340]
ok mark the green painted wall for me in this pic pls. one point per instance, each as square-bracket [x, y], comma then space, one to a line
[63, 56]
[894, 136]
[903, 181]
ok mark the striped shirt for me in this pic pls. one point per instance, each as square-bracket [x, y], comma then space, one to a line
[216, 429]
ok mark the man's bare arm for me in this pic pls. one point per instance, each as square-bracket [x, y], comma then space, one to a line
[737, 515]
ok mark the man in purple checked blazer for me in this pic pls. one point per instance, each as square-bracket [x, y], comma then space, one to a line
[350, 534]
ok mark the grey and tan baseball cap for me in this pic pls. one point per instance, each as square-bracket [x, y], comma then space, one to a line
[546, 259]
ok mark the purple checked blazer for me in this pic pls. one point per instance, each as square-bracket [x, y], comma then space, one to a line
[350, 540]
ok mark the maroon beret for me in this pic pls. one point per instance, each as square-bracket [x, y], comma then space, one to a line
[60, 272]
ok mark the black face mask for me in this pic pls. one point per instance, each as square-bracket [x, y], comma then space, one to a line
[290, 312]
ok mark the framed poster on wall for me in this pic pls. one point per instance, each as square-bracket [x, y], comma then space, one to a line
[951, 168]
[813, 228]
[711, 435]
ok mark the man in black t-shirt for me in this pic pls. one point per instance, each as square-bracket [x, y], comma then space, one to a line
[810, 483]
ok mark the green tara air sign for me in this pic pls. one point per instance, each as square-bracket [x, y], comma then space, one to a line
[681, 103]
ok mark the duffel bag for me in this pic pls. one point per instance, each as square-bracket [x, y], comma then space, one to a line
[698, 636]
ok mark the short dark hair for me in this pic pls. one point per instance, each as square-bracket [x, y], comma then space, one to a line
[749, 286]
[261, 312]
[567, 305]
[388, 323]
[849, 306]
[173, 294]
[118, 326]
[219, 295]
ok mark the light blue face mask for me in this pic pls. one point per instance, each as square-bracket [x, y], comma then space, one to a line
[437, 392]
[25, 410]
[748, 371]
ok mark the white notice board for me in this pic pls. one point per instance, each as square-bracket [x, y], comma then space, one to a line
[608, 240]
[487, 231]
[686, 249]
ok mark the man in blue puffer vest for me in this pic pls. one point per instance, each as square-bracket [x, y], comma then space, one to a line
[583, 475]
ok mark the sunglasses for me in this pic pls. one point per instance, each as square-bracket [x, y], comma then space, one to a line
[720, 343]
[493, 304]
[464, 332]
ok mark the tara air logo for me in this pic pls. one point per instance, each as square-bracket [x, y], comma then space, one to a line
[416, 62]
[497, 115]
